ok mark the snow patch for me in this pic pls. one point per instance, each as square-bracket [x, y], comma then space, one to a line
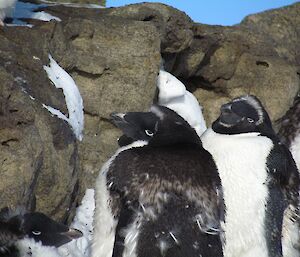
[84, 222]
[74, 102]
[80, 5]
[27, 11]
[43, 16]
[173, 94]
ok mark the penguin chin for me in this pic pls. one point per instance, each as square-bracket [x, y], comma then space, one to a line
[124, 140]
[229, 119]
[221, 126]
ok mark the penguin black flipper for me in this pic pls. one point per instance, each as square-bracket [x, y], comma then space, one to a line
[283, 183]
[283, 169]
[126, 215]
[283, 172]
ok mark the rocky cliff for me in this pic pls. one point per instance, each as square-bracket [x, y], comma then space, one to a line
[114, 56]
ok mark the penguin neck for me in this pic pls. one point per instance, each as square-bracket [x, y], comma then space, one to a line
[180, 137]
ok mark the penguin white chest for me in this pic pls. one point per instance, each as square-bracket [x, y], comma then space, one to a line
[241, 161]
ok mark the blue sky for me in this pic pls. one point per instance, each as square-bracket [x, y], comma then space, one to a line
[224, 12]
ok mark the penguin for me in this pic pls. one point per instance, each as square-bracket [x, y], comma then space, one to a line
[259, 178]
[289, 130]
[19, 231]
[160, 195]
[289, 134]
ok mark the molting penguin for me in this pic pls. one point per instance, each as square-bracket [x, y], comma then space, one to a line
[20, 231]
[259, 178]
[289, 134]
[289, 131]
[160, 195]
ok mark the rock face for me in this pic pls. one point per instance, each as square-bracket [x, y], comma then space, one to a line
[39, 160]
[114, 56]
[259, 56]
[99, 2]
[114, 68]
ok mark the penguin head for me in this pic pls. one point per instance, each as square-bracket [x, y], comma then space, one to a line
[41, 228]
[243, 115]
[135, 126]
[159, 126]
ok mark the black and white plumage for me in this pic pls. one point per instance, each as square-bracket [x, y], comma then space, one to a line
[159, 196]
[136, 126]
[19, 231]
[289, 130]
[289, 134]
[259, 178]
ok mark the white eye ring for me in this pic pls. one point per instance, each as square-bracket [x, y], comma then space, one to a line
[250, 120]
[148, 132]
[36, 233]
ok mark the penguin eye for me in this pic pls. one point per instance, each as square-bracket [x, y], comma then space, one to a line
[36, 233]
[148, 132]
[250, 120]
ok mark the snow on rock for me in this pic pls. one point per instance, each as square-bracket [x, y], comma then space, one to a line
[6, 8]
[76, 5]
[43, 16]
[74, 102]
[27, 11]
[173, 94]
[84, 222]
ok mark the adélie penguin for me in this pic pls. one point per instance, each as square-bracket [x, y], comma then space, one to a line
[289, 134]
[21, 234]
[259, 179]
[161, 194]
[289, 131]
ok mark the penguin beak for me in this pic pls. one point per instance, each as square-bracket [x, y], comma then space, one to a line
[227, 116]
[117, 118]
[128, 129]
[72, 233]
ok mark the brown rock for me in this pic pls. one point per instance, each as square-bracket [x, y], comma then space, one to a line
[114, 56]
[39, 163]
[114, 62]
[255, 57]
